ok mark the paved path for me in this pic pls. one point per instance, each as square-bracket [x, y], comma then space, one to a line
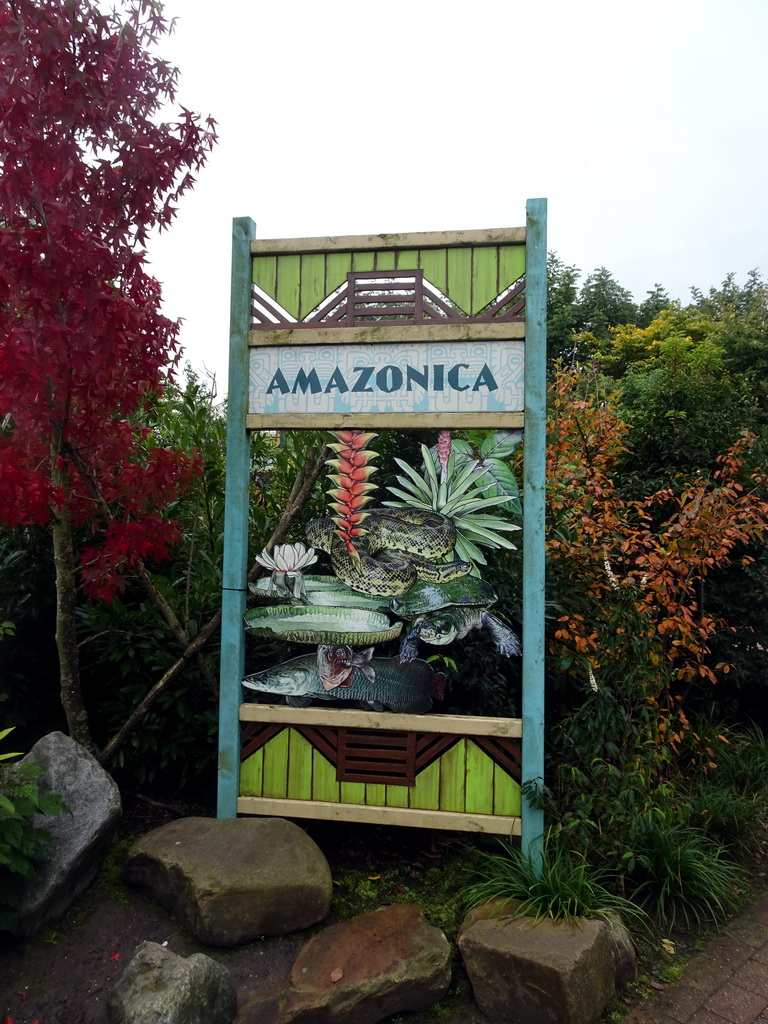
[726, 984]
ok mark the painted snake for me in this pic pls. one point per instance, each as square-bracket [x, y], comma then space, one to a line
[398, 546]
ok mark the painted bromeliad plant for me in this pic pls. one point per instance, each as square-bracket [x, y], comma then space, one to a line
[417, 558]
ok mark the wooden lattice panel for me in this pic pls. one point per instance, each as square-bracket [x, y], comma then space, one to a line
[442, 778]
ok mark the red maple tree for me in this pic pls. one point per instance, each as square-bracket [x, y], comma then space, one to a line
[89, 166]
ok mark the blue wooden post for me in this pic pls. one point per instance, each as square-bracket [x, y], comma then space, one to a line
[234, 584]
[534, 494]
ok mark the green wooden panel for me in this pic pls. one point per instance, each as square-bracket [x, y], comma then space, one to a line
[407, 259]
[353, 792]
[459, 288]
[375, 795]
[276, 766]
[299, 767]
[425, 795]
[324, 783]
[362, 260]
[337, 266]
[485, 277]
[479, 781]
[385, 260]
[265, 274]
[312, 282]
[397, 796]
[251, 774]
[452, 777]
[511, 264]
[288, 279]
[434, 263]
[506, 793]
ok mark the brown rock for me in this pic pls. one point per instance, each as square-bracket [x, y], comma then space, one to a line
[231, 880]
[545, 972]
[361, 971]
[490, 910]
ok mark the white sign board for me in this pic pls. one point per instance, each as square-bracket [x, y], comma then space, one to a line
[474, 376]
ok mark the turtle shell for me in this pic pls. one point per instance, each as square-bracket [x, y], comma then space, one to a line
[423, 597]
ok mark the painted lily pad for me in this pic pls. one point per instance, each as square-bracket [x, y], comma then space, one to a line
[319, 625]
[329, 591]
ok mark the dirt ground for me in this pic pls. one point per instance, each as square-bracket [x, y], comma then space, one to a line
[64, 974]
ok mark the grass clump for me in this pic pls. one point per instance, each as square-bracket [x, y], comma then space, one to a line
[683, 877]
[562, 887]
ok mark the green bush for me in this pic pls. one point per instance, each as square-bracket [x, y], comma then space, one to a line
[21, 841]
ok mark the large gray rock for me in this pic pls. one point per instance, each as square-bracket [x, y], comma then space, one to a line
[164, 988]
[81, 838]
[539, 972]
[231, 880]
[360, 972]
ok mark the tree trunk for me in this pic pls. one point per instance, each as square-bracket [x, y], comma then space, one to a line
[66, 603]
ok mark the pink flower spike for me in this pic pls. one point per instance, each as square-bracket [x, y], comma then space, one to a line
[444, 447]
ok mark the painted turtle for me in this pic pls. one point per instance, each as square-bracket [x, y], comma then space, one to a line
[444, 612]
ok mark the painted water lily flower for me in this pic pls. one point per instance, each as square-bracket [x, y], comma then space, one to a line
[287, 562]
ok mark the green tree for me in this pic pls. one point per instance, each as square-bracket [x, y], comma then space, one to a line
[605, 303]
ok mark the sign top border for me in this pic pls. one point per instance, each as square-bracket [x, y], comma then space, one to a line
[414, 240]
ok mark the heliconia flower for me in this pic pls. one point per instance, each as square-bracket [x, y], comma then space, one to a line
[444, 447]
[351, 490]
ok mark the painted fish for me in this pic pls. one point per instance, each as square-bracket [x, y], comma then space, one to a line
[404, 688]
[336, 662]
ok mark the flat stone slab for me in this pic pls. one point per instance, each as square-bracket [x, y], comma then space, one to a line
[539, 972]
[360, 972]
[229, 881]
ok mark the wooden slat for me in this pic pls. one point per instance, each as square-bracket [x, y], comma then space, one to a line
[264, 274]
[429, 747]
[485, 278]
[385, 260]
[324, 740]
[325, 786]
[460, 725]
[352, 793]
[511, 265]
[275, 782]
[380, 814]
[337, 266]
[312, 283]
[413, 240]
[507, 798]
[434, 264]
[363, 260]
[375, 796]
[388, 334]
[505, 753]
[252, 774]
[288, 281]
[399, 420]
[459, 288]
[425, 793]
[452, 776]
[299, 767]
[478, 780]
[251, 740]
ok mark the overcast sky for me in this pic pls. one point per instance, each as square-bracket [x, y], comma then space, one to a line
[643, 124]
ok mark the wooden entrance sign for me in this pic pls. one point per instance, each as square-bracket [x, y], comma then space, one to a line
[423, 330]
